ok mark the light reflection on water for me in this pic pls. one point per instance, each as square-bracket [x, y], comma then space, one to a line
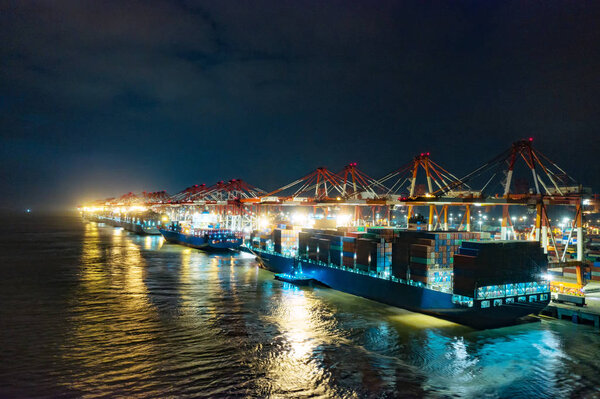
[121, 315]
[110, 312]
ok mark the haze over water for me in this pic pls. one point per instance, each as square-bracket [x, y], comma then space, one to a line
[90, 310]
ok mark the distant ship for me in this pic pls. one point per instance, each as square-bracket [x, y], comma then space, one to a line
[143, 223]
[204, 239]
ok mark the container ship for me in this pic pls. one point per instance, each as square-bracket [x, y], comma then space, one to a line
[463, 277]
[143, 223]
[207, 239]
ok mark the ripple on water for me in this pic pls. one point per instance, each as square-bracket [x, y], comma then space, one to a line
[88, 310]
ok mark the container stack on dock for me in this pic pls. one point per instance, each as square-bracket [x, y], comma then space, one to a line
[496, 263]
[595, 271]
[592, 249]
[569, 272]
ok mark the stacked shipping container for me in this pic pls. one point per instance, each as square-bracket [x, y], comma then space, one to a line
[482, 264]
[303, 243]
[349, 252]
[595, 271]
[366, 254]
[285, 238]
[322, 245]
[427, 257]
[592, 247]
[335, 249]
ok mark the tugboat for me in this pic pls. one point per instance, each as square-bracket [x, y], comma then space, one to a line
[296, 279]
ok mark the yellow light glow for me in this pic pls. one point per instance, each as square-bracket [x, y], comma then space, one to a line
[421, 321]
[343, 219]
[263, 222]
[92, 209]
[148, 242]
[301, 219]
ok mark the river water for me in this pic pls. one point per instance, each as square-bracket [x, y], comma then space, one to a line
[90, 310]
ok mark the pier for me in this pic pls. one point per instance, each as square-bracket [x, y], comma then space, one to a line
[577, 315]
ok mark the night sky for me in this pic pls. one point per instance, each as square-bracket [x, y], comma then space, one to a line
[98, 98]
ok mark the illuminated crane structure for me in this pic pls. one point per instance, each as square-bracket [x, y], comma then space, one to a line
[185, 196]
[222, 199]
[156, 197]
[498, 182]
[402, 184]
[322, 188]
[547, 185]
[127, 199]
[519, 176]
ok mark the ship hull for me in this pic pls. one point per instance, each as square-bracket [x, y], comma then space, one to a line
[410, 297]
[198, 242]
[140, 229]
[149, 230]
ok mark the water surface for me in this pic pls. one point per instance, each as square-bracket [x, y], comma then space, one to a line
[90, 310]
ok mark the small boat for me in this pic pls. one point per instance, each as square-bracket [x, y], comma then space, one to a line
[297, 279]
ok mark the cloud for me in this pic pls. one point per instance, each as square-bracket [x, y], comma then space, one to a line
[326, 81]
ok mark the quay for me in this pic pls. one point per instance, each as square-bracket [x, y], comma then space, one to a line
[589, 314]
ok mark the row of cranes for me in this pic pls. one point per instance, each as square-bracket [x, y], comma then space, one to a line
[519, 176]
[351, 185]
[547, 178]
